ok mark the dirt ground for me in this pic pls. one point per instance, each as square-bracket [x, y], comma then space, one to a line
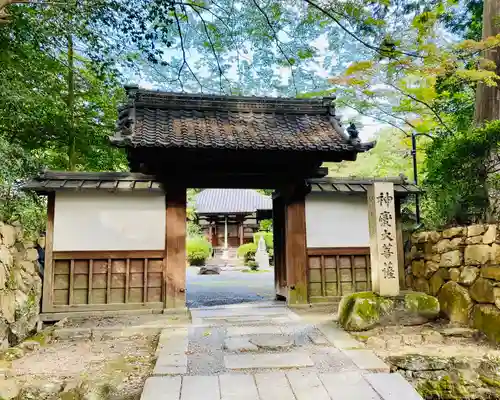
[436, 338]
[124, 364]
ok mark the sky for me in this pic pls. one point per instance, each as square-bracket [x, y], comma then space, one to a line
[369, 126]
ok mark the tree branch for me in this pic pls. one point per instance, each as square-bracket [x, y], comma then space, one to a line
[363, 42]
[278, 43]
[436, 114]
[377, 118]
[221, 73]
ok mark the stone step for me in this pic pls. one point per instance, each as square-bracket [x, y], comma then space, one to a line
[295, 359]
[348, 386]
[392, 387]
[307, 386]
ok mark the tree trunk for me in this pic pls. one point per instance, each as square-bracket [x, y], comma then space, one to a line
[488, 100]
[488, 97]
[71, 105]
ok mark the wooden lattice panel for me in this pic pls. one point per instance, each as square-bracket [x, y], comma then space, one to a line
[334, 272]
[97, 280]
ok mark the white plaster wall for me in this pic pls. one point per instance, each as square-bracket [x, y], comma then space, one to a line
[109, 221]
[334, 220]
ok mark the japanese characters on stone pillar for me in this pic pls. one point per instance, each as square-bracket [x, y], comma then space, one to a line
[383, 243]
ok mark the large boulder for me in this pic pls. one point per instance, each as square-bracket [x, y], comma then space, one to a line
[490, 235]
[6, 256]
[418, 362]
[362, 311]
[421, 307]
[451, 259]
[8, 234]
[482, 291]
[491, 272]
[453, 232]
[436, 282]
[475, 230]
[477, 254]
[418, 268]
[486, 318]
[468, 275]
[455, 302]
[9, 389]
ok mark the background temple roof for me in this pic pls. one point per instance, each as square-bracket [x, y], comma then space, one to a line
[231, 201]
[171, 120]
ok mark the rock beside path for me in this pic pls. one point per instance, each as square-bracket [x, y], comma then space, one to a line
[209, 270]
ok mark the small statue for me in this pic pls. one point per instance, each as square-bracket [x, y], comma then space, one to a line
[261, 255]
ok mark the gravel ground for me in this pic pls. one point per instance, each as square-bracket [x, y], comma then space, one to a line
[230, 287]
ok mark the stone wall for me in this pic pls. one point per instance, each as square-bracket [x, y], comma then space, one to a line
[461, 266]
[20, 285]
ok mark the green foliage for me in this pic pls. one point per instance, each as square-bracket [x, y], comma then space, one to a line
[459, 171]
[266, 225]
[389, 158]
[268, 239]
[198, 251]
[247, 252]
[253, 266]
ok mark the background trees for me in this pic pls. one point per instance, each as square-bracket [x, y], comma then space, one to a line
[412, 65]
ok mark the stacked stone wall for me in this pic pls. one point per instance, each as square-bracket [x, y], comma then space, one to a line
[20, 285]
[461, 266]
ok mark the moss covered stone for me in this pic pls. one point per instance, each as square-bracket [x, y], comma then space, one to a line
[455, 302]
[422, 304]
[486, 318]
[482, 291]
[444, 388]
[362, 311]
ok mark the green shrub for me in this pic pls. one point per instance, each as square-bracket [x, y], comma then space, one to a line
[198, 250]
[247, 252]
[253, 265]
[268, 238]
[266, 225]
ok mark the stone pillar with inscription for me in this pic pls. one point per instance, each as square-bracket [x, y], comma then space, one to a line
[383, 239]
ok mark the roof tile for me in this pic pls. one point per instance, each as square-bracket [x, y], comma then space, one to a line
[170, 120]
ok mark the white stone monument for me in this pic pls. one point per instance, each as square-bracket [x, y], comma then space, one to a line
[261, 255]
[383, 239]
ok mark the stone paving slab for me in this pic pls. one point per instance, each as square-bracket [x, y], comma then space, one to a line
[367, 360]
[295, 359]
[239, 344]
[253, 330]
[172, 341]
[339, 338]
[348, 386]
[392, 387]
[170, 364]
[307, 386]
[274, 386]
[165, 387]
[200, 388]
[238, 387]
[318, 339]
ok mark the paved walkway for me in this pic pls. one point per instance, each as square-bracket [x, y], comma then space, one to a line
[265, 351]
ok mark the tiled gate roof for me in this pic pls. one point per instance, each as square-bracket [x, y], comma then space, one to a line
[172, 120]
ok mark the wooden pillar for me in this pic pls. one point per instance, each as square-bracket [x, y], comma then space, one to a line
[241, 231]
[279, 247]
[48, 272]
[296, 247]
[174, 263]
